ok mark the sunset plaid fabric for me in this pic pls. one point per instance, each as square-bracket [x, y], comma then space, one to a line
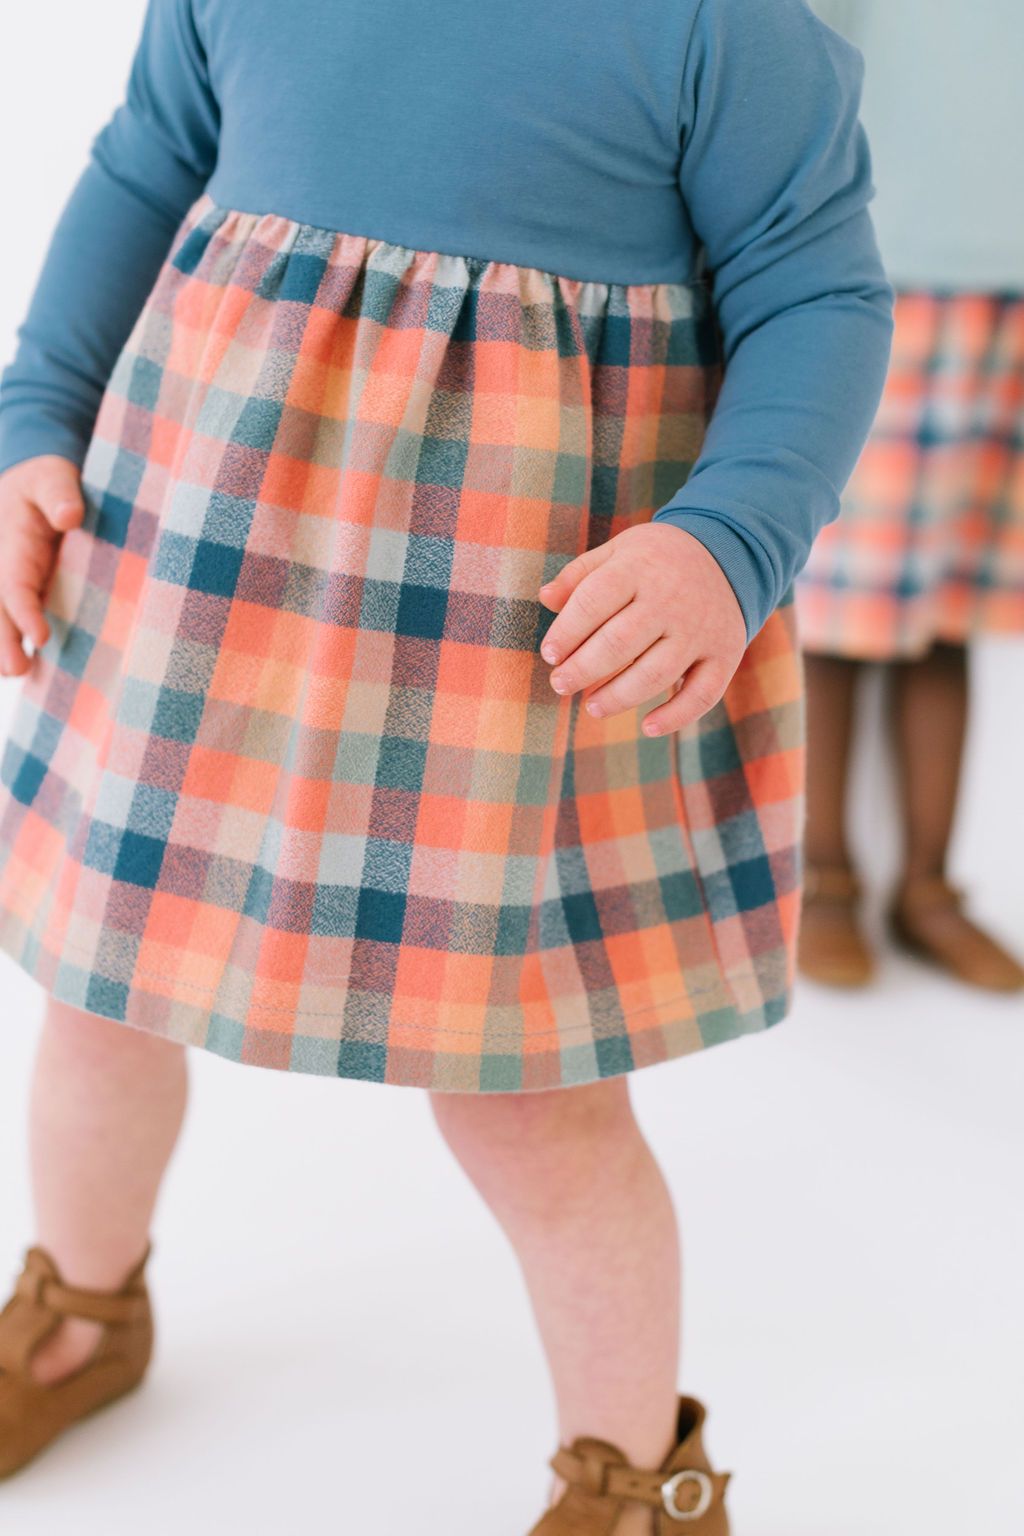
[289, 780]
[930, 543]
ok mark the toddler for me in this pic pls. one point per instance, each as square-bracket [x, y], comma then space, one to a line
[413, 693]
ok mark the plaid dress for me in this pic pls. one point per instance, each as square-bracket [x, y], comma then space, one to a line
[289, 780]
[930, 543]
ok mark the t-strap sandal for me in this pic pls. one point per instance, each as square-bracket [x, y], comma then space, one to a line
[34, 1413]
[684, 1494]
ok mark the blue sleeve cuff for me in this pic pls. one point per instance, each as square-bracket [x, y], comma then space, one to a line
[27, 432]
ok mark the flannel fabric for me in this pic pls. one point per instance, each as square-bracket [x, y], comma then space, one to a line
[289, 780]
[930, 543]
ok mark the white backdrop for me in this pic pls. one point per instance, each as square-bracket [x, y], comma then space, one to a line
[343, 1329]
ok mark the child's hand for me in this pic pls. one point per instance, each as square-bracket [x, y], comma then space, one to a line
[649, 610]
[40, 499]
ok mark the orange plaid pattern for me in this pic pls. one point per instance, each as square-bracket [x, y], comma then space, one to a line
[930, 543]
[289, 781]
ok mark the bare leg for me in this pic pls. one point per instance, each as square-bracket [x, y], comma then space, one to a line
[573, 1183]
[831, 688]
[930, 719]
[107, 1106]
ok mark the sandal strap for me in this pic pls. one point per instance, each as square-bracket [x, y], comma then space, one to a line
[112, 1308]
[40, 1285]
[41, 1300]
[928, 894]
[685, 1494]
[831, 882]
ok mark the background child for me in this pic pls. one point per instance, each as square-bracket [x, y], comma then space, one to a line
[290, 778]
[929, 550]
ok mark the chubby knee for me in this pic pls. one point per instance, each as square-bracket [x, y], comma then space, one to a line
[558, 1126]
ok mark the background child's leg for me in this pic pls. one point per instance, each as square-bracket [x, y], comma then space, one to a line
[831, 694]
[573, 1183]
[107, 1106]
[832, 947]
[930, 720]
[930, 699]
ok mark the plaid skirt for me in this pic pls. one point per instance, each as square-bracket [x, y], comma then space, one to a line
[930, 543]
[289, 780]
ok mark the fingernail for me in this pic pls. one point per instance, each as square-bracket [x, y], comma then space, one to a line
[595, 710]
[549, 652]
[651, 730]
[559, 684]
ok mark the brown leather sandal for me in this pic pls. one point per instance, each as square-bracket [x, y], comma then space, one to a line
[32, 1413]
[928, 920]
[832, 949]
[685, 1494]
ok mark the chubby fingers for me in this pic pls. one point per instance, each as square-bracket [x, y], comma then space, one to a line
[702, 688]
[615, 644]
[56, 490]
[13, 661]
[594, 600]
[647, 674]
[24, 607]
[554, 594]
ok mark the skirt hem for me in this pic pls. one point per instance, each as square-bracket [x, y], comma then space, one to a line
[855, 647]
[563, 1064]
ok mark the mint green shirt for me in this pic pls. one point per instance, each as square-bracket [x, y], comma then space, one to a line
[944, 109]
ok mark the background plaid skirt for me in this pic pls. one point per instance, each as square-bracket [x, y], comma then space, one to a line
[930, 544]
[289, 780]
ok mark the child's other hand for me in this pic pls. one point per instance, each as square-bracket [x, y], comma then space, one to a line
[40, 499]
[649, 610]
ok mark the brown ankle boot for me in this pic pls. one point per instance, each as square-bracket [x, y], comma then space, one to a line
[684, 1493]
[928, 919]
[832, 949]
[33, 1414]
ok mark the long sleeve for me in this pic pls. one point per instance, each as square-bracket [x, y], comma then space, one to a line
[776, 177]
[148, 166]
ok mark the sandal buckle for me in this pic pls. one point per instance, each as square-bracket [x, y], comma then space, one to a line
[670, 1491]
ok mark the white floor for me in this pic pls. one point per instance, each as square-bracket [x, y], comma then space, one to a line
[343, 1330]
